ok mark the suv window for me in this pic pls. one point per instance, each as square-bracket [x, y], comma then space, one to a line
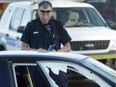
[26, 17]
[73, 17]
[16, 18]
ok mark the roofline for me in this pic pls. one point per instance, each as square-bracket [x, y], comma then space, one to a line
[7, 1]
[57, 4]
[41, 55]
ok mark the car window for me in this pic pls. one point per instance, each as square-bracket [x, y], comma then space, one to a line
[28, 75]
[35, 14]
[55, 74]
[66, 74]
[16, 18]
[73, 17]
[26, 17]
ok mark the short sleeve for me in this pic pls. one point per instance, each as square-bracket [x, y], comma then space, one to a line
[64, 36]
[26, 34]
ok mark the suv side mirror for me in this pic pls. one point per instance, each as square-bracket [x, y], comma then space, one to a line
[20, 29]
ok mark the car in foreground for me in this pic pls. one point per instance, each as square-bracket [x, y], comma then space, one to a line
[89, 32]
[53, 69]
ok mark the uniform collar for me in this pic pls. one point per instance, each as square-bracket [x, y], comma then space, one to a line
[38, 19]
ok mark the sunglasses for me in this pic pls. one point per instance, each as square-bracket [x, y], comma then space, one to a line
[45, 11]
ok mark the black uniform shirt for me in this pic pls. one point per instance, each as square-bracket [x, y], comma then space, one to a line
[37, 36]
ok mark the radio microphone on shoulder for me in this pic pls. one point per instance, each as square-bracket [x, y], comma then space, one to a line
[48, 28]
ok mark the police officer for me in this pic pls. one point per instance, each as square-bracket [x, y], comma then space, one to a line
[45, 33]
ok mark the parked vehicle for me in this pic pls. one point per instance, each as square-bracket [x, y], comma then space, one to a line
[88, 30]
[53, 69]
[107, 10]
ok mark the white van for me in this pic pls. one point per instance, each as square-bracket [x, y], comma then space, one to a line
[89, 32]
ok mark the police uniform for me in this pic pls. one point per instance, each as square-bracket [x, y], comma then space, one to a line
[38, 35]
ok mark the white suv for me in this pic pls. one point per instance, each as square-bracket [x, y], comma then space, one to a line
[88, 30]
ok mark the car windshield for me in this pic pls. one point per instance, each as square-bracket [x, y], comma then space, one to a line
[77, 17]
[101, 68]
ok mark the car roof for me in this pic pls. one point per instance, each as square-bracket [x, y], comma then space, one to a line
[39, 55]
[55, 3]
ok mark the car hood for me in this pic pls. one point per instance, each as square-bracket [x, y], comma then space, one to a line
[91, 33]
